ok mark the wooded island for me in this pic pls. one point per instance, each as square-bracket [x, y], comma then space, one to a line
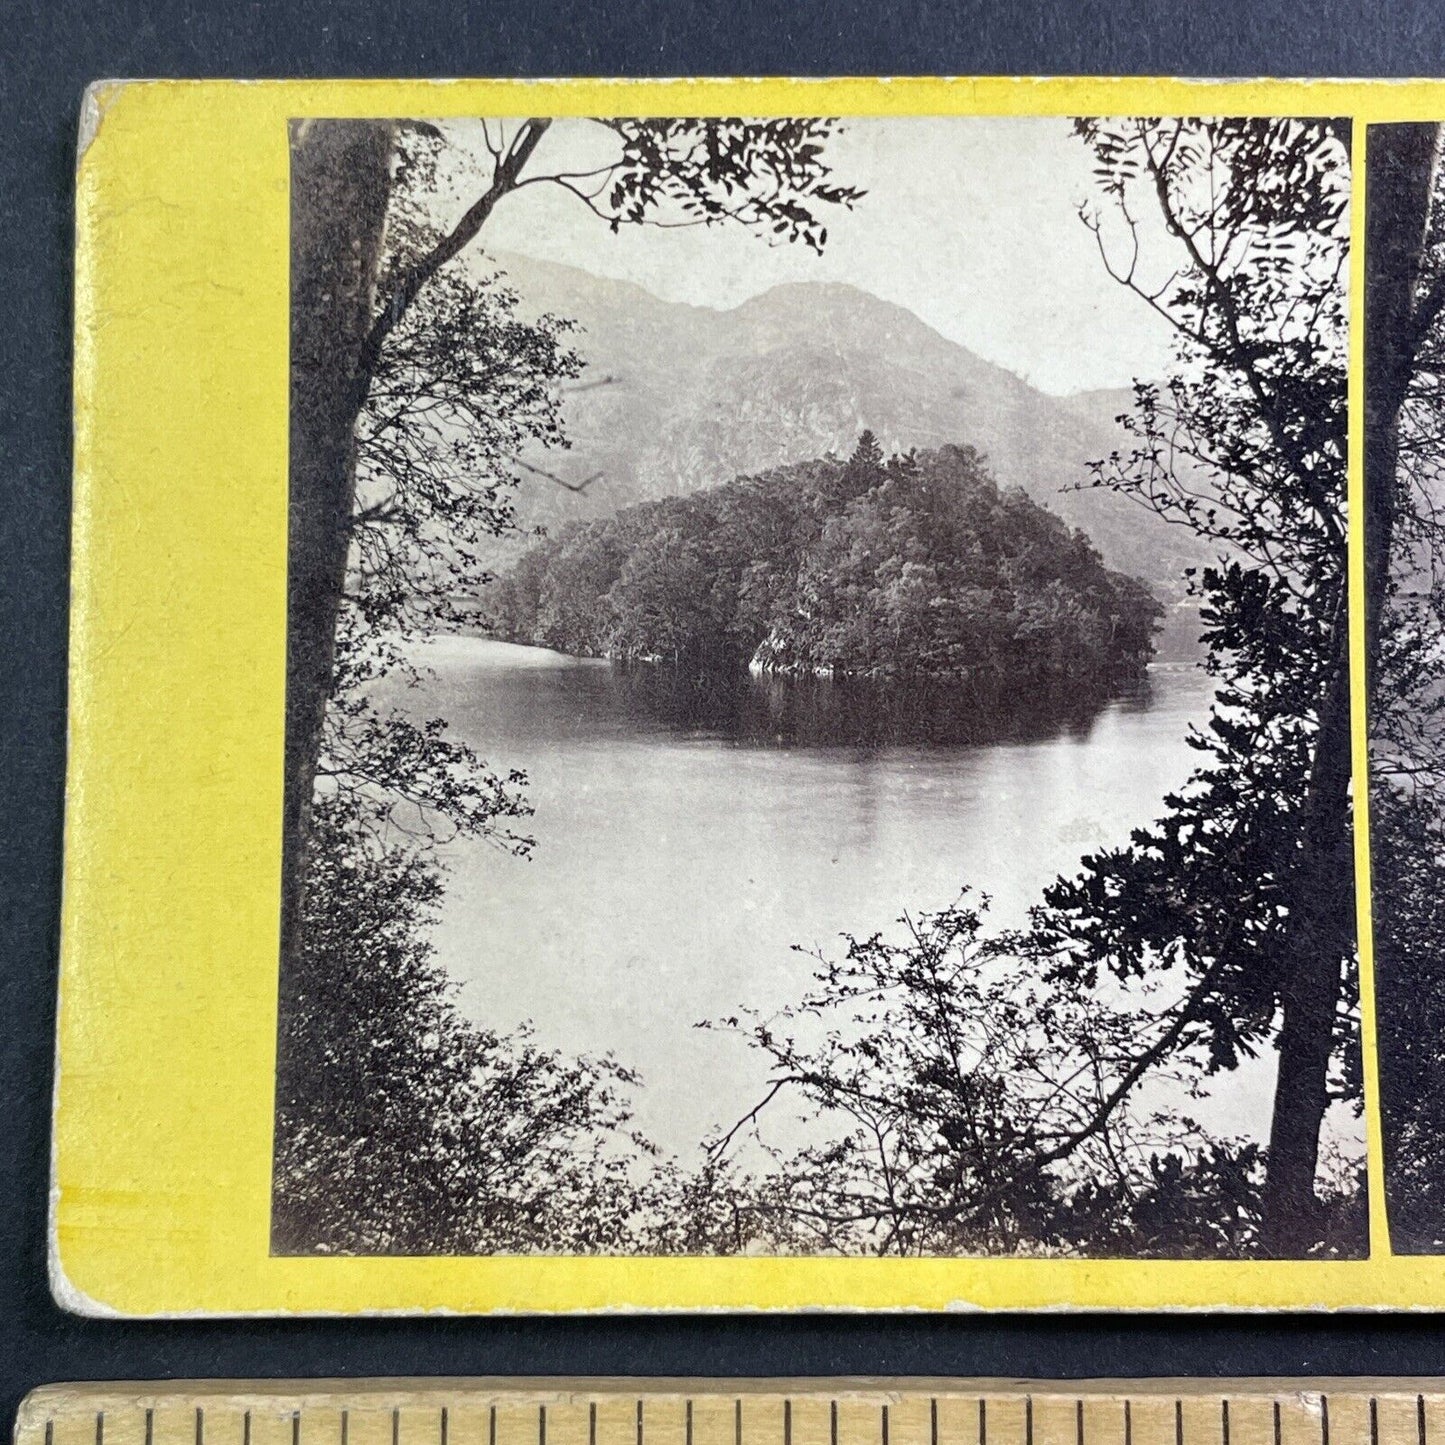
[914, 567]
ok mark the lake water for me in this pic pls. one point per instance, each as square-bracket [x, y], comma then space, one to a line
[686, 839]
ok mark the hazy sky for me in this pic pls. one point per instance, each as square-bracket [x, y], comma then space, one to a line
[970, 222]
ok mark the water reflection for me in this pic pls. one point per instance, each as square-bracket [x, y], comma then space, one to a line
[786, 712]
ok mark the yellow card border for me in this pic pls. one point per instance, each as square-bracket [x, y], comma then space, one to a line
[167, 1014]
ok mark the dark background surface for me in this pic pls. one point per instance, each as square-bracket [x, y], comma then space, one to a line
[48, 53]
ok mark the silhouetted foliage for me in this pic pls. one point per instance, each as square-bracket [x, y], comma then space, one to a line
[1245, 885]
[970, 1106]
[402, 1126]
[967, 1107]
[461, 387]
[916, 567]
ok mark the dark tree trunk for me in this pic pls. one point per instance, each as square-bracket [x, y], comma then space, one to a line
[1321, 936]
[1400, 162]
[340, 184]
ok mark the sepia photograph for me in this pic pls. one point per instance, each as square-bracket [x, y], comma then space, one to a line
[1404, 620]
[817, 688]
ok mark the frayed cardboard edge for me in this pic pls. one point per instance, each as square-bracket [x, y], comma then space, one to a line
[98, 98]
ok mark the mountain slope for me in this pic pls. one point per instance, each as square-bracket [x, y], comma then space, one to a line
[678, 397]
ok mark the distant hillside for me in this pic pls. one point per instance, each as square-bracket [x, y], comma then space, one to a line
[697, 396]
